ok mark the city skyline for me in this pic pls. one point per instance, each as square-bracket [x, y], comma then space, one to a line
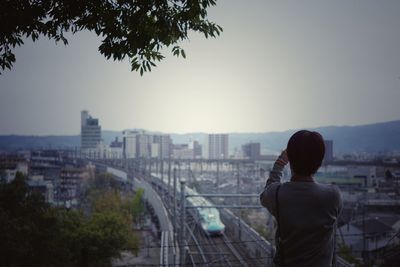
[133, 128]
[277, 66]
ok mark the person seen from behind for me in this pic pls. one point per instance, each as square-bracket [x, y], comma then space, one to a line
[306, 211]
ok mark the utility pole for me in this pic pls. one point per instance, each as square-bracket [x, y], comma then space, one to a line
[238, 200]
[162, 170]
[169, 181]
[189, 171]
[174, 211]
[126, 163]
[182, 223]
[363, 228]
[174, 200]
[157, 170]
[179, 170]
[150, 167]
[217, 176]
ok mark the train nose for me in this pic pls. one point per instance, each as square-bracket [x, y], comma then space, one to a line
[215, 229]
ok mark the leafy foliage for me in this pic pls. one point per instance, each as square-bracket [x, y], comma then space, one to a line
[103, 237]
[136, 206]
[34, 234]
[137, 29]
[105, 195]
[28, 231]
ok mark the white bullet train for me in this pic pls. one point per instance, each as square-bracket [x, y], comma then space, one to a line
[208, 218]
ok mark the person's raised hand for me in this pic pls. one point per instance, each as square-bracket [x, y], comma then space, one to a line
[284, 157]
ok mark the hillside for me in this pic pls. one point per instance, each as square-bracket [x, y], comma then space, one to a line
[376, 137]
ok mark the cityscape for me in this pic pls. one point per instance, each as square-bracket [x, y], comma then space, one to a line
[199, 133]
[368, 227]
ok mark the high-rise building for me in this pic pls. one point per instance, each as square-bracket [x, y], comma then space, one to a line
[217, 146]
[251, 150]
[164, 141]
[155, 151]
[139, 144]
[197, 149]
[143, 145]
[129, 144]
[90, 131]
[328, 158]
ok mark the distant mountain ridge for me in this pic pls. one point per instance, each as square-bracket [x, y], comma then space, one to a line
[377, 137]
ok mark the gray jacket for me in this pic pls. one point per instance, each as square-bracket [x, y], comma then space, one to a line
[308, 213]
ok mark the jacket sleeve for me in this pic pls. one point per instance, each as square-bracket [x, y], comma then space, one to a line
[338, 200]
[267, 197]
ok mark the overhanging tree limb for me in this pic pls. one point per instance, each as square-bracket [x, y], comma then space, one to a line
[134, 29]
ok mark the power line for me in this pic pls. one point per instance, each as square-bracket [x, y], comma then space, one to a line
[200, 262]
[210, 262]
[201, 244]
[239, 242]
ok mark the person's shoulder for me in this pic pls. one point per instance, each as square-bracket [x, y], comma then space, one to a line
[330, 189]
[335, 194]
[337, 198]
[335, 189]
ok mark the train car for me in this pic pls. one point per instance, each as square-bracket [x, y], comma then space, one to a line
[208, 218]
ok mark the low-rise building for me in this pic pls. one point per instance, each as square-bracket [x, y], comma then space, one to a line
[10, 165]
[367, 238]
[182, 151]
[116, 149]
[45, 188]
[71, 179]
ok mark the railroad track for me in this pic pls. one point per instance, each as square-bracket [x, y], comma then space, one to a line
[218, 250]
[237, 260]
[196, 256]
[214, 251]
[241, 246]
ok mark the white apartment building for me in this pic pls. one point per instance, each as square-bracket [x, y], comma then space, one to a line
[139, 144]
[217, 146]
[129, 144]
[90, 131]
[164, 142]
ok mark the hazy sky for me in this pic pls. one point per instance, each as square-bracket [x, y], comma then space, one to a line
[278, 65]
